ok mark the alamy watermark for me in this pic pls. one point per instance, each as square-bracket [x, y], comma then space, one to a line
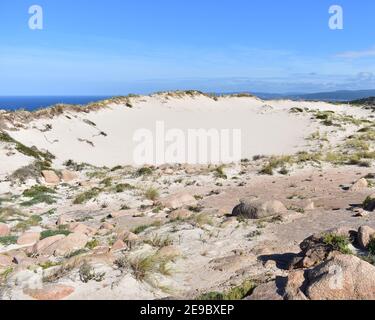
[192, 146]
[36, 19]
[336, 20]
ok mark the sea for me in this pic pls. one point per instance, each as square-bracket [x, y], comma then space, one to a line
[31, 103]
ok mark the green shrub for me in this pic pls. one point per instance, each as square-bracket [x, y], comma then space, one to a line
[337, 242]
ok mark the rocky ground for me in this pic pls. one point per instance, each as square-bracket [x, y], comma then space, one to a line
[296, 226]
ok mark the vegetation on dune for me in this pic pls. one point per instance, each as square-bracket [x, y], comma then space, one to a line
[87, 195]
[152, 194]
[27, 151]
[33, 221]
[144, 171]
[8, 240]
[39, 194]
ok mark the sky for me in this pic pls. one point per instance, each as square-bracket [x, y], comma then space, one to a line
[116, 47]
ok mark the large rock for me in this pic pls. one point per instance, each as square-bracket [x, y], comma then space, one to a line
[50, 177]
[176, 201]
[295, 286]
[4, 230]
[28, 238]
[68, 176]
[361, 184]
[50, 292]
[257, 209]
[342, 277]
[119, 245]
[169, 252]
[71, 243]
[78, 227]
[267, 291]
[42, 247]
[365, 234]
[180, 214]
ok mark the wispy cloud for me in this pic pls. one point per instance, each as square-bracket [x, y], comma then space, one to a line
[357, 54]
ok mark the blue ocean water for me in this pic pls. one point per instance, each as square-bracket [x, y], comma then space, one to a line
[31, 103]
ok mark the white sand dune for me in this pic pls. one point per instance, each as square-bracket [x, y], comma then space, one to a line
[267, 127]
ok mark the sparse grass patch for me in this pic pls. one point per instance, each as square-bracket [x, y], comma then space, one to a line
[276, 162]
[144, 267]
[144, 227]
[144, 171]
[236, 293]
[39, 194]
[159, 241]
[51, 233]
[202, 219]
[107, 182]
[121, 187]
[87, 273]
[9, 212]
[151, 194]
[86, 196]
[219, 172]
[33, 221]
[92, 244]
[27, 151]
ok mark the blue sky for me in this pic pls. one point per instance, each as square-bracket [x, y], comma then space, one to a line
[116, 47]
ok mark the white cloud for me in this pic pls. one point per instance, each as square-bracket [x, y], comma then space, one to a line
[357, 54]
